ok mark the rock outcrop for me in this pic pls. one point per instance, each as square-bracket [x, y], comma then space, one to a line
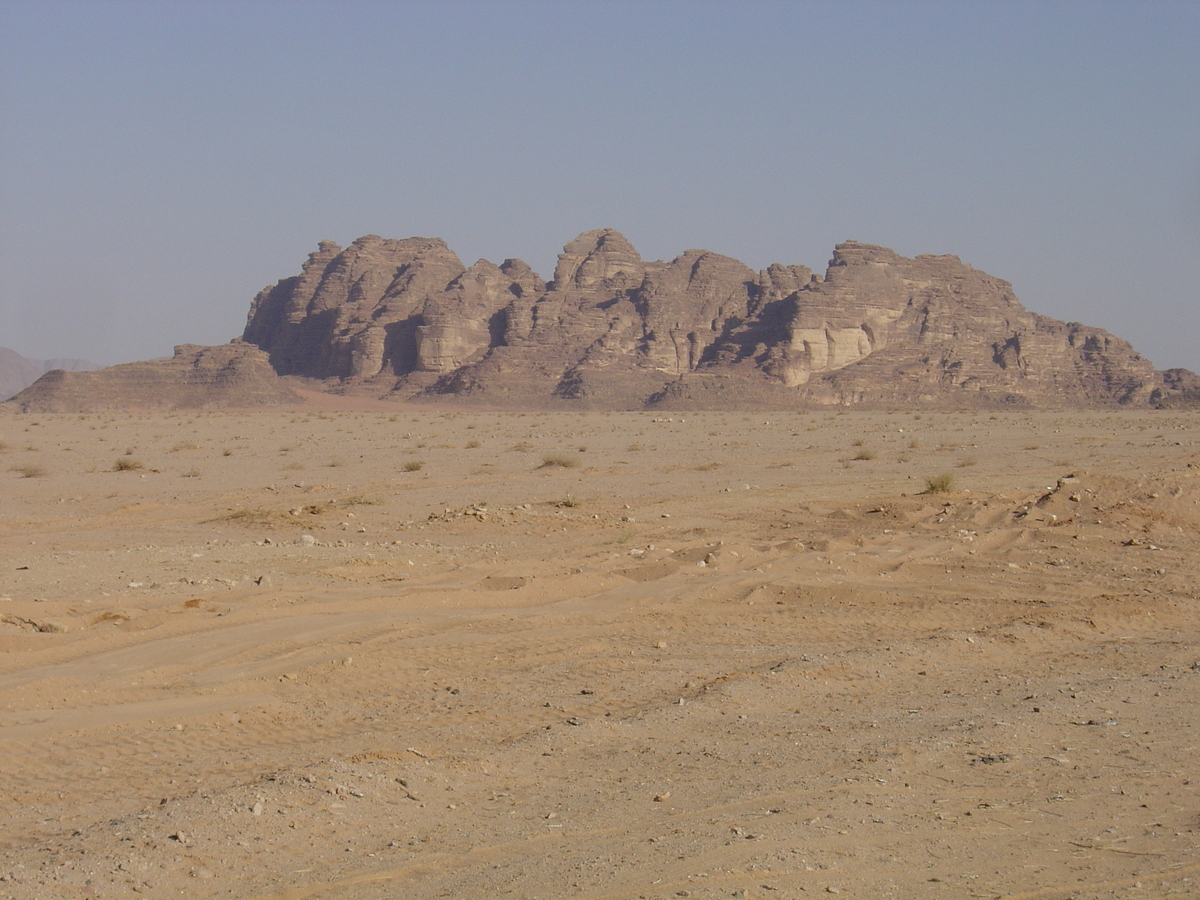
[17, 372]
[231, 375]
[612, 329]
[406, 319]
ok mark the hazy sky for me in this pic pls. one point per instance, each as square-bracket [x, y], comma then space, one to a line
[160, 162]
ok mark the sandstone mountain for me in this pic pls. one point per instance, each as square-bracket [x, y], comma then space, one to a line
[611, 329]
[408, 320]
[18, 372]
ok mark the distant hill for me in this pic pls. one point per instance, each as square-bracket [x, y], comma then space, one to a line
[407, 320]
[17, 372]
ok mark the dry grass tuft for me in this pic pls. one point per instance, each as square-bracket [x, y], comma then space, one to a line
[413, 465]
[29, 471]
[940, 484]
[125, 464]
[563, 460]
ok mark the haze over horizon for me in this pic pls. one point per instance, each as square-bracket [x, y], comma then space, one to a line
[161, 162]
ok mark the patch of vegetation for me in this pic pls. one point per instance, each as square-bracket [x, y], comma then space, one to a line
[568, 501]
[864, 455]
[360, 500]
[124, 464]
[562, 460]
[471, 445]
[413, 465]
[29, 471]
[940, 484]
[249, 516]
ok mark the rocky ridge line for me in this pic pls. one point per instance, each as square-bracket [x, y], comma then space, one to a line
[406, 319]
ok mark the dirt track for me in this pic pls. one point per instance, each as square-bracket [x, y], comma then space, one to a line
[599, 655]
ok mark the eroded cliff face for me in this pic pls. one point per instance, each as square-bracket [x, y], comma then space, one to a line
[352, 313]
[885, 327]
[612, 329]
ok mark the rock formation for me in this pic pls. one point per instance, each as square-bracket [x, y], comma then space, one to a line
[406, 319]
[231, 375]
[611, 329]
[17, 372]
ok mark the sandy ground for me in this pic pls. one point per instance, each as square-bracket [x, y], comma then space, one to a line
[419, 653]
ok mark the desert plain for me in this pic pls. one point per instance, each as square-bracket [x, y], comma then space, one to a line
[349, 653]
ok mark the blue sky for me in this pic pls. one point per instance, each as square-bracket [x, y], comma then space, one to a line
[160, 162]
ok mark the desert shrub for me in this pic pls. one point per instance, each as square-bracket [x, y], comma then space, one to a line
[29, 471]
[569, 501]
[864, 454]
[564, 460]
[940, 484]
[125, 464]
[471, 445]
[360, 500]
[413, 465]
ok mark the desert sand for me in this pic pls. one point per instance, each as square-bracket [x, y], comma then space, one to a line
[414, 652]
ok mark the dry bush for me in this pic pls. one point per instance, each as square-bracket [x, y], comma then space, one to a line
[29, 471]
[864, 455]
[413, 465]
[940, 484]
[569, 501]
[255, 516]
[563, 460]
[124, 464]
[471, 445]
